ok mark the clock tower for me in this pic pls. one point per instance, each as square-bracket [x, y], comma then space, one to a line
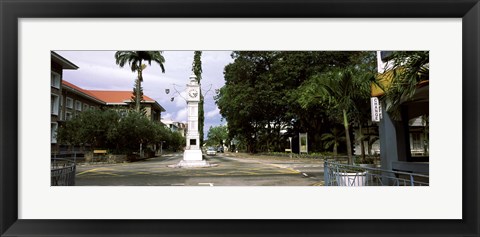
[192, 157]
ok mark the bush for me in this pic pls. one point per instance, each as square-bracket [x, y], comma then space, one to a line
[366, 160]
[120, 134]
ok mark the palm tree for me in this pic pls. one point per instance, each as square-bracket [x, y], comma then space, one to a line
[333, 138]
[341, 90]
[135, 59]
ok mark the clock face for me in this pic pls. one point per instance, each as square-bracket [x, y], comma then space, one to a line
[193, 93]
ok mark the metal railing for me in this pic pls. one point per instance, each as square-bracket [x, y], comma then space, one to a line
[62, 172]
[337, 174]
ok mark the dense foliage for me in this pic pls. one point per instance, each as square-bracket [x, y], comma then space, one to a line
[117, 132]
[269, 96]
[217, 135]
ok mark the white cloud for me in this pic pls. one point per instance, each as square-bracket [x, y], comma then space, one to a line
[98, 70]
[212, 113]
[180, 99]
[167, 116]
[181, 115]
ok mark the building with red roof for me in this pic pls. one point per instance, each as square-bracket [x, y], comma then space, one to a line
[77, 99]
[68, 99]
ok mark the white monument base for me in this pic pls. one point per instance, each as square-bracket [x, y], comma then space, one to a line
[189, 155]
[192, 164]
[192, 159]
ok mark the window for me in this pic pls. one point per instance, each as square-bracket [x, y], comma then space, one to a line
[78, 105]
[61, 107]
[55, 80]
[69, 103]
[53, 132]
[54, 104]
[68, 115]
[416, 143]
[85, 107]
[418, 132]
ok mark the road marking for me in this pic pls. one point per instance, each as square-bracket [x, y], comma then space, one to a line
[142, 172]
[306, 175]
[105, 173]
[88, 171]
[240, 172]
[98, 171]
[177, 185]
[214, 173]
[205, 184]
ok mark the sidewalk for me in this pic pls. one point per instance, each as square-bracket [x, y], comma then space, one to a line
[275, 159]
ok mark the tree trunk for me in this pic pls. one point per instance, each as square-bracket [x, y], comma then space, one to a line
[347, 138]
[201, 117]
[362, 145]
[137, 99]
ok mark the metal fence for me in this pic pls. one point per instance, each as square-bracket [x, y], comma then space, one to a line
[62, 172]
[337, 174]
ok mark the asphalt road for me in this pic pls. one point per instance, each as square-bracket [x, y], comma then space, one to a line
[232, 169]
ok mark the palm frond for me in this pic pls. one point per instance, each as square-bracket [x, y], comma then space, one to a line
[410, 67]
[135, 58]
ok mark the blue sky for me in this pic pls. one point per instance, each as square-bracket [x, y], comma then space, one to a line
[98, 71]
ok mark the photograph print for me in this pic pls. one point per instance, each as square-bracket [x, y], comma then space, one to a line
[239, 118]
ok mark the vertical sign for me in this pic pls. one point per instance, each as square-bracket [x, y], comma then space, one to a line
[376, 109]
[303, 142]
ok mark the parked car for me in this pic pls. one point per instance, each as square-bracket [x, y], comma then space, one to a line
[220, 149]
[211, 151]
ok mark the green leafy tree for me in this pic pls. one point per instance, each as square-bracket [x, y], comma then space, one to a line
[260, 96]
[251, 100]
[134, 130]
[69, 133]
[123, 134]
[177, 141]
[135, 59]
[217, 135]
[162, 133]
[93, 127]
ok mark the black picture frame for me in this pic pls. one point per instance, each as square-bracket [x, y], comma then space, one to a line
[11, 11]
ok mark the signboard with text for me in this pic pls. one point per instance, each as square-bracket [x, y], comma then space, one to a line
[376, 109]
[303, 142]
